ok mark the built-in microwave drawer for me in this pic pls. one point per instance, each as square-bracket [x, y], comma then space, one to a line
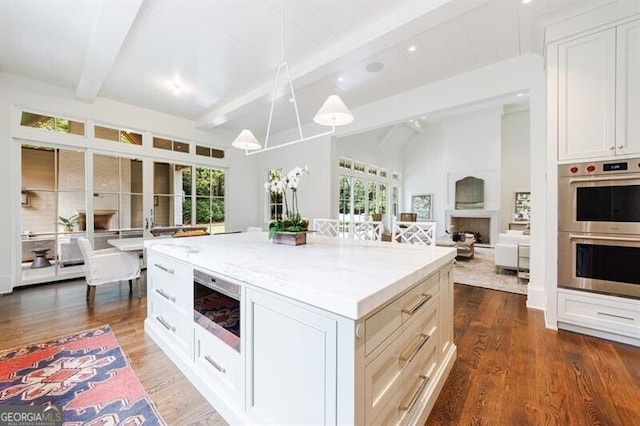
[385, 322]
[171, 280]
[172, 323]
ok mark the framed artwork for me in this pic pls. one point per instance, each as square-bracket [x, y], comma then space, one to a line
[522, 207]
[422, 204]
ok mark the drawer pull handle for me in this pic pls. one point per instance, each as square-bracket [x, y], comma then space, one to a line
[425, 299]
[616, 316]
[215, 364]
[166, 324]
[414, 398]
[165, 295]
[423, 340]
[164, 268]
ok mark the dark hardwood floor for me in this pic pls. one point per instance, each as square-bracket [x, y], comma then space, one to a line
[510, 370]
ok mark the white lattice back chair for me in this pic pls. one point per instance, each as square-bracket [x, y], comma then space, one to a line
[414, 233]
[108, 266]
[326, 227]
[366, 230]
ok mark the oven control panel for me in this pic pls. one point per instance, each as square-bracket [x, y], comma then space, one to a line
[593, 168]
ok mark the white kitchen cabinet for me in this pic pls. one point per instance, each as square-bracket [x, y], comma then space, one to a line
[169, 301]
[628, 89]
[597, 82]
[292, 360]
[617, 317]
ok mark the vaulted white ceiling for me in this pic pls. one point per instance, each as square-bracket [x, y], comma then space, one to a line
[214, 62]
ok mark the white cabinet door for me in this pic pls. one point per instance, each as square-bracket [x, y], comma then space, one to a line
[291, 362]
[628, 89]
[586, 96]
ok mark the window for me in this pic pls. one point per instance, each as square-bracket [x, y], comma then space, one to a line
[118, 135]
[209, 188]
[364, 191]
[275, 202]
[54, 124]
[205, 151]
[170, 145]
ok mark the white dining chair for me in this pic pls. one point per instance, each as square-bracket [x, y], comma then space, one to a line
[108, 266]
[326, 227]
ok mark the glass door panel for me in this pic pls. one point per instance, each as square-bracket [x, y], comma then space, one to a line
[53, 192]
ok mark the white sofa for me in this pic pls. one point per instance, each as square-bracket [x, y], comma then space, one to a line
[506, 250]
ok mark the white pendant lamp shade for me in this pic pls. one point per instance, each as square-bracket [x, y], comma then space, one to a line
[333, 113]
[246, 140]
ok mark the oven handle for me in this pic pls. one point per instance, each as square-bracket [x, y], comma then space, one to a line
[592, 237]
[602, 179]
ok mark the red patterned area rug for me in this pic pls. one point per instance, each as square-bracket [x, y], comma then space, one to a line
[86, 375]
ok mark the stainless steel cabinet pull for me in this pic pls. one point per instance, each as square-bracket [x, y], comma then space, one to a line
[423, 339]
[165, 295]
[166, 324]
[425, 299]
[595, 237]
[215, 364]
[164, 268]
[415, 396]
[616, 316]
[600, 179]
[620, 146]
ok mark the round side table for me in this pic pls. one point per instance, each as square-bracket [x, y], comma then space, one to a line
[40, 260]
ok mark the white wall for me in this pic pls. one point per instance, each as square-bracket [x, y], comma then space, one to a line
[17, 93]
[465, 145]
[314, 191]
[515, 161]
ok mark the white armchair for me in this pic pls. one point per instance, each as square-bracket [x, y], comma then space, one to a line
[108, 266]
[506, 250]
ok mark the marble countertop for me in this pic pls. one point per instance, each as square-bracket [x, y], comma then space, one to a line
[347, 277]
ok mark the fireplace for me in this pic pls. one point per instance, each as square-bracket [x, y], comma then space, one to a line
[101, 220]
[484, 222]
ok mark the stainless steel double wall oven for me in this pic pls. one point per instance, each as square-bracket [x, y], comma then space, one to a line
[599, 227]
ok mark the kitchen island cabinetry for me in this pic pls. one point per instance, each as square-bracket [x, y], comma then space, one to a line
[319, 344]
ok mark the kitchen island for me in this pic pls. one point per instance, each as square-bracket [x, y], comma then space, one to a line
[335, 331]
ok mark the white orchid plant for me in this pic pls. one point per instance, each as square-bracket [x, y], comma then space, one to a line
[280, 184]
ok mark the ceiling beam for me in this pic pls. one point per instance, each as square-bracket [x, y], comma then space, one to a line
[109, 32]
[380, 35]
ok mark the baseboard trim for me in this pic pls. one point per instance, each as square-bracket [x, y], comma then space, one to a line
[536, 298]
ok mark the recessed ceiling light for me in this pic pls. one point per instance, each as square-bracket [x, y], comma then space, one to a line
[340, 79]
[526, 1]
[375, 66]
[412, 48]
[290, 99]
[411, 121]
[424, 117]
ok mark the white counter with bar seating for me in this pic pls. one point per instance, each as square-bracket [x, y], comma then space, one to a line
[334, 331]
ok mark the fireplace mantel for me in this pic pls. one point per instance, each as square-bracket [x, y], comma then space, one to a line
[492, 215]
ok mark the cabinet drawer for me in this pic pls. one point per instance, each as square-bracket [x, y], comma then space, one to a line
[164, 266]
[384, 374]
[383, 323]
[172, 281]
[402, 398]
[600, 312]
[172, 323]
[219, 363]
